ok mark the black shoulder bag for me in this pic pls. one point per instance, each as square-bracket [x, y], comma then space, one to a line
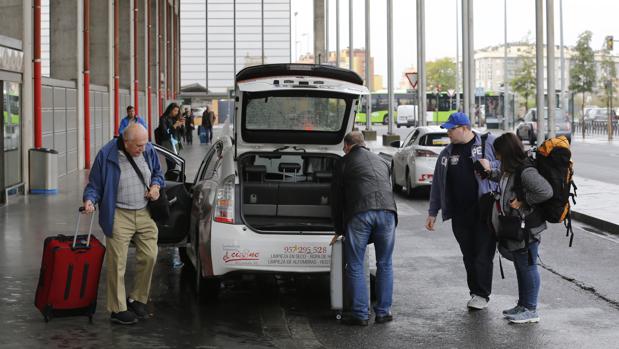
[159, 209]
[486, 200]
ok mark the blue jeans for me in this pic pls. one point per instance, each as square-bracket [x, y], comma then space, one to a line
[378, 227]
[528, 276]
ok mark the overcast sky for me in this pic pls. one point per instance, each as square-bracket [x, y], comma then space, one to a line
[599, 16]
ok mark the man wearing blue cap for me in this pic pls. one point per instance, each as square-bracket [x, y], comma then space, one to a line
[456, 190]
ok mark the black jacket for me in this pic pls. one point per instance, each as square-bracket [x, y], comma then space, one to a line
[362, 182]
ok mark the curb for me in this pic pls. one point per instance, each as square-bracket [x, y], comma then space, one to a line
[597, 223]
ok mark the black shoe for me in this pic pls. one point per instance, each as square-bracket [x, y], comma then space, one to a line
[353, 321]
[383, 319]
[124, 318]
[138, 308]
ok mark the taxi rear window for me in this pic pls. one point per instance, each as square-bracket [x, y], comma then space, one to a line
[434, 140]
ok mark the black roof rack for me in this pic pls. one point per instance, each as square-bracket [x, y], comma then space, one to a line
[318, 70]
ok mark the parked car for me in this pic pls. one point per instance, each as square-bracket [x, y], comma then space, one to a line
[261, 199]
[599, 114]
[526, 129]
[406, 115]
[413, 163]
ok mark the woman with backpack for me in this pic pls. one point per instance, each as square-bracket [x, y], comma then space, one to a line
[517, 222]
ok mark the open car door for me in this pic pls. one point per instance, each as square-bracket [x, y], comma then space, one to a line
[174, 230]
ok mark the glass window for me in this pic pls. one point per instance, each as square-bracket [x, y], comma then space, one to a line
[12, 133]
[434, 140]
[295, 113]
[413, 138]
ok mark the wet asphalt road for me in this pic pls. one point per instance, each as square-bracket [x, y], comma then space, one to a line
[578, 302]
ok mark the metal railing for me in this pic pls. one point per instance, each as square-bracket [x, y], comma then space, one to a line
[593, 127]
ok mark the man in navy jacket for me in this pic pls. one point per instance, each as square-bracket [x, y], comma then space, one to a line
[456, 190]
[115, 187]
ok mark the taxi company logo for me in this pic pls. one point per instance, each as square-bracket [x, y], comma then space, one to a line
[245, 255]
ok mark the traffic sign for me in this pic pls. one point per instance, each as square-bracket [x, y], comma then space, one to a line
[451, 92]
[412, 79]
[479, 92]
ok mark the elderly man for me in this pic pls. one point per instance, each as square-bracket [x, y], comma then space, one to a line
[115, 187]
[364, 210]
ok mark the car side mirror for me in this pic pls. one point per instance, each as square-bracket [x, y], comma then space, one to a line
[395, 144]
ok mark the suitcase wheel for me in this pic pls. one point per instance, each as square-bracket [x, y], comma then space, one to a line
[46, 318]
[338, 316]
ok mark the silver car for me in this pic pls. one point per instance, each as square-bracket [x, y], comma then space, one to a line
[526, 129]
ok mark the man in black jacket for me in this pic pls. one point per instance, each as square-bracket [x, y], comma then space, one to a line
[364, 210]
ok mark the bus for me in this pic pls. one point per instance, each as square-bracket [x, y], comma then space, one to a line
[439, 106]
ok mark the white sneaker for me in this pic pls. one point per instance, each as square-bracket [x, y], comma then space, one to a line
[477, 302]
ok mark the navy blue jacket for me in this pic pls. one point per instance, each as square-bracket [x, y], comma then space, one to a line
[438, 195]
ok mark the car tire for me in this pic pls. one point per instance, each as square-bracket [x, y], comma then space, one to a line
[207, 289]
[409, 186]
[394, 186]
[386, 119]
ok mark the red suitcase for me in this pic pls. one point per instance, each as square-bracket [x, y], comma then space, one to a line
[69, 276]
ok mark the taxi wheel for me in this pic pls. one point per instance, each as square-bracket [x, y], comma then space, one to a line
[386, 119]
[409, 186]
[394, 186]
[207, 289]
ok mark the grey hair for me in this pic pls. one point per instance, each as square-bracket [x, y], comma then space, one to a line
[132, 129]
[354, 138]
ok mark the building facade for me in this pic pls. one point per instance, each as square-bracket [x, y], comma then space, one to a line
[221, 37]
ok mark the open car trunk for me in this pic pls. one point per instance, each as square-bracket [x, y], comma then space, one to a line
[284, 192]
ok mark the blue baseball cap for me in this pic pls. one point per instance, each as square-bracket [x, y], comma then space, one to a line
[455, 120]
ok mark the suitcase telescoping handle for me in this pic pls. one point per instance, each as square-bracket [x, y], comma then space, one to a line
[77, 227]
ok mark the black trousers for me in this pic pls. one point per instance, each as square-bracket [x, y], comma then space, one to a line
[478, 246]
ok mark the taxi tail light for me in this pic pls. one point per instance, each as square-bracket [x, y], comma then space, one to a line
[224, 202]
[424, 153]
[425, 177]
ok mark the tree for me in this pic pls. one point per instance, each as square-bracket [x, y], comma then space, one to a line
[609, 75]
[582, 72]
[441, 72]
[524, 82]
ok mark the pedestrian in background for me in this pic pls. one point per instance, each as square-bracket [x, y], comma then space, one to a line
[169, 122]
[189, 126]
[114, 186]
[131, 117]
[208, 119]
[456, 191]
[364, 210]
[521, 187]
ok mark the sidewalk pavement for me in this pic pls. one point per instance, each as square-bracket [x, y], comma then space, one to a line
[596, 203]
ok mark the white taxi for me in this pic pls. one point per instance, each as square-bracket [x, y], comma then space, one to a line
[413, 163]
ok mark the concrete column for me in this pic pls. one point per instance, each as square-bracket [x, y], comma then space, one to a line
[99, 43]
[67, 55]
[11, 24]
[27, 86]
[124, 45]
[319, 31]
